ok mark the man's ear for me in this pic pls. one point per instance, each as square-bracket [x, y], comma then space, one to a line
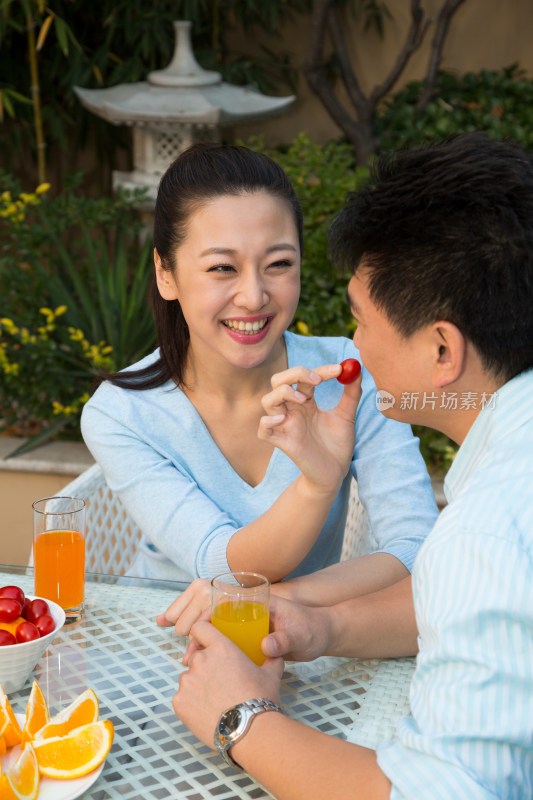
[165, 279]
[450, 353]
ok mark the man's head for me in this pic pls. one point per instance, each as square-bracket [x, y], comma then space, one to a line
[445, 233]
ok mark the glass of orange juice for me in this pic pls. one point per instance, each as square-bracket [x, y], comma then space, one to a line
[59, 552]
[240, 610]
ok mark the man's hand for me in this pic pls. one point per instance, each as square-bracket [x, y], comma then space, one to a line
[299, 633]
[220, 676]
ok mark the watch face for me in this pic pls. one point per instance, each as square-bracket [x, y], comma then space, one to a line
[230, 721]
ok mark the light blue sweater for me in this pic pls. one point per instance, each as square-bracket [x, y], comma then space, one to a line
[158, 455]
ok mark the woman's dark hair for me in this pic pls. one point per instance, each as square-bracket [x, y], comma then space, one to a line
[199, 174]
[446, 232]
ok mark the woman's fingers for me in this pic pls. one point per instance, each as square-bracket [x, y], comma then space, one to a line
[275, 402]
[302, 375]
[192, 605]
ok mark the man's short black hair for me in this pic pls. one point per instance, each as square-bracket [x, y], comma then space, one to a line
[446, 232]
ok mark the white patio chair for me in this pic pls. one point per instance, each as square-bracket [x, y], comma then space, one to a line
[113, 537]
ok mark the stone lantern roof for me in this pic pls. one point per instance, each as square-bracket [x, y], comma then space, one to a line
[176, 106]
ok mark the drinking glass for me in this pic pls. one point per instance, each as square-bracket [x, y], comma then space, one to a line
[59, 552]
[240, 610]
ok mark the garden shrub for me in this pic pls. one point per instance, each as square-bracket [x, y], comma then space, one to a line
[85, 257]
[499, 102]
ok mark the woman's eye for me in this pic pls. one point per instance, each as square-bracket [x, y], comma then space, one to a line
[221, 268]
[283, 263]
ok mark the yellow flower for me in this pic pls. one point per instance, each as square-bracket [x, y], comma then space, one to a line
[9, 325]
[60, 310]
[303, 328]
[42, 188]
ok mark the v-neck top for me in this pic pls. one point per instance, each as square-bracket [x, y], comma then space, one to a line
[158, 455]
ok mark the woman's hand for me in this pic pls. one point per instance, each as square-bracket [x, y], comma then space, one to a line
[219, 677]
[320, 442]
[188, 608]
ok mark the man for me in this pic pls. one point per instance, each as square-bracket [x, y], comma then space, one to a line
[441, 247]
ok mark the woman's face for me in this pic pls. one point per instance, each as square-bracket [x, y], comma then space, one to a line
[237, 278]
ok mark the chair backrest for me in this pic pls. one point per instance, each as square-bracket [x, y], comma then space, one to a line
[112, 536]
[358, 538]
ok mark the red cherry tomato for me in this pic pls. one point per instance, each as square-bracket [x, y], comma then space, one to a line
[6, 638]
[15, 592]
[351, 369]
[9, 609]
[26, 632]
[36, 608]
[25, 606]
[45, 624]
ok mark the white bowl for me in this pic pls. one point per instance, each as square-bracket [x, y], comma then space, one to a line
[17, 661]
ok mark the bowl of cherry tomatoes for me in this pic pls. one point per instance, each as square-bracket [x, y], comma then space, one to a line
[27, 626]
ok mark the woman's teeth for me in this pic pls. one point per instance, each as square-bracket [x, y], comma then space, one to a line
[246, 327]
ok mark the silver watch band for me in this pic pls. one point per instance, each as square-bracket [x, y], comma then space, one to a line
[235, 722]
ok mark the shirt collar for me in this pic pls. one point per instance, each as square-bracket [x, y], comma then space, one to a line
[510, 408]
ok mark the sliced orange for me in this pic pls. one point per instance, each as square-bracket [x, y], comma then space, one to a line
[3, 748]
[77, 753]
[82, 711]
[37, 714]
[9, 727]
[21, 781]
[12, 626]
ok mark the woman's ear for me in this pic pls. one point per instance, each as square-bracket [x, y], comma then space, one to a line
[450, 350]
[165, 279]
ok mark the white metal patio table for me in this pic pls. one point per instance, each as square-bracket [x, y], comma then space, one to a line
[133, 666]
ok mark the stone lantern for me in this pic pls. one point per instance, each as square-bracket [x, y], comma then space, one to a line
[175, 107]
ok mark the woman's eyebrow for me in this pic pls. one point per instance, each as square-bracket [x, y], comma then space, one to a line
[228, 251]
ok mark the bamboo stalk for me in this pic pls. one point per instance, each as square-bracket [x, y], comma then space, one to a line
[36, 100]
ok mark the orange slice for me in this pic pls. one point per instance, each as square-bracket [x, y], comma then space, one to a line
[37, 714]
[12, 626]
[9, 727]
[3, 748]
[77, 753]
[21, 781]
[83, 710]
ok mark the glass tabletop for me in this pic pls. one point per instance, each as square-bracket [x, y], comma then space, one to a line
[133, 666]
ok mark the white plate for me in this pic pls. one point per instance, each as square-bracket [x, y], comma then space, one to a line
[50, 789]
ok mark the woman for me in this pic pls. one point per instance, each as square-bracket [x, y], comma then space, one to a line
[177, 433]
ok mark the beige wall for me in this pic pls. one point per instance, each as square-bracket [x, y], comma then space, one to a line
[18, 490]
[485, 34]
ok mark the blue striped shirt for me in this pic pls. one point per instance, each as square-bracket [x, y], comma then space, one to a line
[470, 736]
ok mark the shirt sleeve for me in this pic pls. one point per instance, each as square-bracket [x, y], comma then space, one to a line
[161, 496]
[393, 482]
[470, 734]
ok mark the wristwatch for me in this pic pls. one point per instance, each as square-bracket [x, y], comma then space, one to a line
[234, 723]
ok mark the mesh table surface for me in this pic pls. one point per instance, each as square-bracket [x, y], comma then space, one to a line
[133, 666]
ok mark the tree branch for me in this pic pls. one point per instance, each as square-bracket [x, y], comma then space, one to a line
[413, 39]
[349, 78]
[315, 72]
[441, 32]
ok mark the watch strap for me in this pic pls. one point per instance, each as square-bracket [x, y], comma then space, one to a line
[251, 708]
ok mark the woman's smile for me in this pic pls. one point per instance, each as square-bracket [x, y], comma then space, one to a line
[248, 330]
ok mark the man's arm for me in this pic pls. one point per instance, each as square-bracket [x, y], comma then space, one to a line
[290, 759]
[377, 625]
[293, 761]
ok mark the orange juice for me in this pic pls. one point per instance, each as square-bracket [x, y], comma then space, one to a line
[59, 560]
[245, 623]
